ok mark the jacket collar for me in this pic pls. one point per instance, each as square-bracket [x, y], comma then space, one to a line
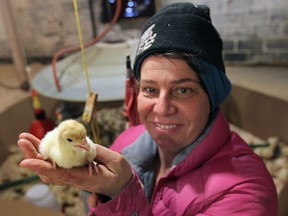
[206, 146]
[143, 153]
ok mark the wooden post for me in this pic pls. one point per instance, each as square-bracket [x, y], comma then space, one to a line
[14, 40]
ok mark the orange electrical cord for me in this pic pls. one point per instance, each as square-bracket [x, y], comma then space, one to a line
[74, 48]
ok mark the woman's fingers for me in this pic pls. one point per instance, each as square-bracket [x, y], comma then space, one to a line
[116, 164]
[37, 165]
[34, 140]
[111, 159]
[46, 171]
[105, 155]
[92, 200]
[29, 146]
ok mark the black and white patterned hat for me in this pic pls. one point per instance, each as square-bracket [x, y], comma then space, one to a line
[181, 27]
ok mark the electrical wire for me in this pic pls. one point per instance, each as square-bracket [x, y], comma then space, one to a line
[92, 18]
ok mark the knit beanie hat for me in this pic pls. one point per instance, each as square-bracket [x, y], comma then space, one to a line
[187, 28]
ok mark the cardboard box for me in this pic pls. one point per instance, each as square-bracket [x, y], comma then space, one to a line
[19, 207]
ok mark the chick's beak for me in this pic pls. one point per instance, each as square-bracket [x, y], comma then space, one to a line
[83, 145]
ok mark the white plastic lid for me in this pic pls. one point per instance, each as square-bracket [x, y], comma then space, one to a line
[38, 191]
[41, 195]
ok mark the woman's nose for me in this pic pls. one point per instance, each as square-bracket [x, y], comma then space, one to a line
[164, 105]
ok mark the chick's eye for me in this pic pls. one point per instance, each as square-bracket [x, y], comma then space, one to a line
[69, 140]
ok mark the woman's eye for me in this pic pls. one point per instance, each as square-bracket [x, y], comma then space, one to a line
[183, 92]
[149, 90]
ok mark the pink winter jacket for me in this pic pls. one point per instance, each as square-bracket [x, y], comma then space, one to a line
[218, 175]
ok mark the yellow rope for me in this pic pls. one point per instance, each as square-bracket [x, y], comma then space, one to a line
[81, 44]
[94, 126]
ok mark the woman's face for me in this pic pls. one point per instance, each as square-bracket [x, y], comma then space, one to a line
[171, 102]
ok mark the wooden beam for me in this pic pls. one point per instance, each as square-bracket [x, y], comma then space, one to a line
[14, 40]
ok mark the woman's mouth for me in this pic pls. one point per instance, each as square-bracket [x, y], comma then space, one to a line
[165, 126]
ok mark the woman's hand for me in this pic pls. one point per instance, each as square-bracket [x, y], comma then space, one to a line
[114, 171]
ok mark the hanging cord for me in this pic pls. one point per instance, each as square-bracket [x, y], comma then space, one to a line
[89, 43]
[81, 45]
[92, 97]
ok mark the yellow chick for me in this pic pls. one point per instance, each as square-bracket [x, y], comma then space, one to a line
[68, 146]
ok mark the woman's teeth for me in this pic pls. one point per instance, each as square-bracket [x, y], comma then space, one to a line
[165, 127]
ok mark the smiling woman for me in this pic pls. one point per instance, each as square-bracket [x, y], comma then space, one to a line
[184, 150]
[172, 104]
